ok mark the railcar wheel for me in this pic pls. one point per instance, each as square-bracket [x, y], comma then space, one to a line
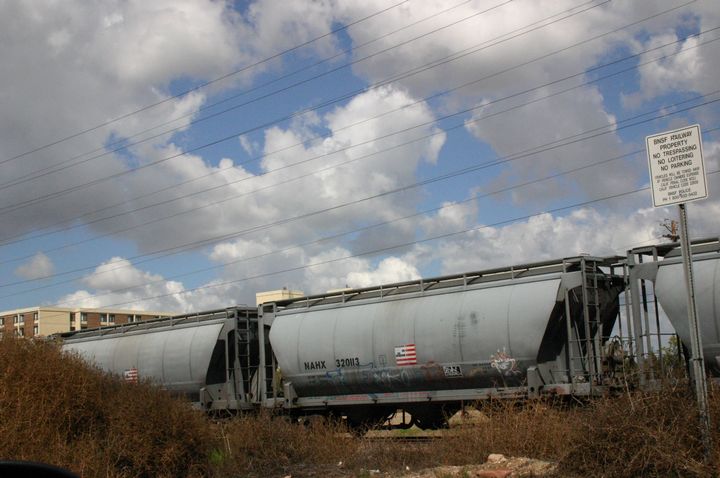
[431, 421]
[360, 421]
[433, 417]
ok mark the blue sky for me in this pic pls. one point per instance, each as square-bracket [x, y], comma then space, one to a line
[387, 114]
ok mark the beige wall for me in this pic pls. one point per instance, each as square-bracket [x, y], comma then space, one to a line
[273, 295]
[52, 321]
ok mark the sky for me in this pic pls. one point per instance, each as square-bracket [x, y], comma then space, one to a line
[182, 155]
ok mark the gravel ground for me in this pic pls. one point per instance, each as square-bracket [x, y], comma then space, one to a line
[497, 466]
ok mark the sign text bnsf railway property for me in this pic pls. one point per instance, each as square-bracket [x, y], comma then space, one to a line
[677, 170]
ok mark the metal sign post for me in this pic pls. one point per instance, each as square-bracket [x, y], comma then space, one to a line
[698, 362]
[677, 175]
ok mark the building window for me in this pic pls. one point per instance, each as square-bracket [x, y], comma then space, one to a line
[111, 319]
[2, 320]
[16, 319]
[21, 331]
[22, 319]
[103, 317]
[35, 317]
[83, 317]
[35, 330]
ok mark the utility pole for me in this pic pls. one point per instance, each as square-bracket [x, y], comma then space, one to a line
[672, 228]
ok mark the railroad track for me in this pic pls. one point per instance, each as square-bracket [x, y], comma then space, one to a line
[404, 439]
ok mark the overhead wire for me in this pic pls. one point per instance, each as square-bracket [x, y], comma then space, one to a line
[122, 144]
[202, 85]
[275, 92]
[388, 248]
[445, 207]
[462, 124]
[276, 121]
[6, 241]
[528, 152]
[523, 154]
[414, 71]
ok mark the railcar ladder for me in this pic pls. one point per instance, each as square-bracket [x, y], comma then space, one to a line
[244, 337]
[584, 340]
[591, 318]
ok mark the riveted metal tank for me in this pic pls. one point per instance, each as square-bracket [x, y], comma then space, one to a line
[471, 331]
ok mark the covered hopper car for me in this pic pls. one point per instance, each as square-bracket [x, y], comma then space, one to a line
[423, 346]
[205, 357]
[426, 346]
[662, 265]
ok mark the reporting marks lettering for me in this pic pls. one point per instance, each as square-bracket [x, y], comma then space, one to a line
[316, 365]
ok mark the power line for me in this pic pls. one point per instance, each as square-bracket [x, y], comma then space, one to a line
[268, 95]
[519, 155]
[462, 124]
[523, 154]
[122, 144]
[404, 75]
[276, 121]
[361, 229]
[56, 194]
[389, 248]
[202, 85]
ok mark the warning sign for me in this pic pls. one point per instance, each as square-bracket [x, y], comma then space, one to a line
[677, 170]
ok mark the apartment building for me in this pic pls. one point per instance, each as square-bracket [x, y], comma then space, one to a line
[43, 321]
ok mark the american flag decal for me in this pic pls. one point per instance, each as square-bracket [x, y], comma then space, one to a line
[405, 355]
[131, 375]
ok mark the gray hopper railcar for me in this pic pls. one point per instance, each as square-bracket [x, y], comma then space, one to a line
[206, 357]
[662, 266]
[426, 346]
[423, 346]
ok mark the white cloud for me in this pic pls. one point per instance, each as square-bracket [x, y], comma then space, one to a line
[452, 217]
[586, 230]
[118, 283]
[117, 273]
[389, 270]
[331, 272]
[546, 120]
[549, 123]
[249, 146]
[38, 267]
[76, 65]
[694, 70]
[346, 165]
[164, 39]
